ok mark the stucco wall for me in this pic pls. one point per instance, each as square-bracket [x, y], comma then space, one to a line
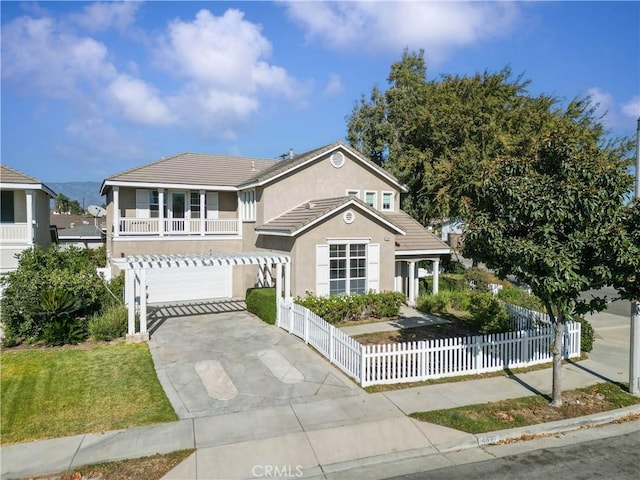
[41, 215]
[321, 180]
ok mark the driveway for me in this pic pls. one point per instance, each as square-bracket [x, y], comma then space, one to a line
[218, 358]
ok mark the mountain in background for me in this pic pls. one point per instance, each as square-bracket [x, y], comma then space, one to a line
[86, 193]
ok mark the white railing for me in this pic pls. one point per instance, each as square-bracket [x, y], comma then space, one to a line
[418, 361]
[14, 232]
[179, 226]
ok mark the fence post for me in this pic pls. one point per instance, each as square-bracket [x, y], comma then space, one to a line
[478, 356]
[305, 326]
[331, 340]
[362, 366]
[524, 335]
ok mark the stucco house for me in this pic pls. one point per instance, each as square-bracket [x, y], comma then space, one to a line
[24, 215]
[330, 215]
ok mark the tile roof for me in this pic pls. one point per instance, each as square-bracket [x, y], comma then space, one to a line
[196, 169]
[417, 238]
[11, 175]
[80, 231]
[309, 212]
[63, 220]
[283, 166]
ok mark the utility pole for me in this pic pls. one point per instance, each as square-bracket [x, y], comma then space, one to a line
[634, 346]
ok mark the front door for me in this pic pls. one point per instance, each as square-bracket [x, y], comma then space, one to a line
[178, 209]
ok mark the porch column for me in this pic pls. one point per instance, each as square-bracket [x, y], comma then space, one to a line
[116, 211]
[278, 290]
[203, 213]
[130, 299]
[161, 212]
[436, 273]
[30, 221]
[143, 303]
[412, 284]
[287, 281]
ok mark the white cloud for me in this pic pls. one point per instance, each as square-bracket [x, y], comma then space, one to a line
[632, 107]
[390, 26]
[224, 62]
[37, 55]
[139, 101]
[98, 16]
[334, 86]
[614, 114]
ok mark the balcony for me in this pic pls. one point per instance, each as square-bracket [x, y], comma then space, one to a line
[15, 233]
[178, 227]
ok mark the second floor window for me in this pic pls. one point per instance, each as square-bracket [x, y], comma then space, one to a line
[387, 201]
[370, 199]
[195, 205]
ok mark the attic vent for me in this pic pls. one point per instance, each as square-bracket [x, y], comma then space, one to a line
[337, 159]
[309, 205]
[349, 216]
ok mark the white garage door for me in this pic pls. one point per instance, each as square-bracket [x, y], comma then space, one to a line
[191, 283]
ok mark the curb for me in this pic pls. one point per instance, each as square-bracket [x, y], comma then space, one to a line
[559, 426]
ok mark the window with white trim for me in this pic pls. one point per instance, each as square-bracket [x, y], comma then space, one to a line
[248, 205]
[387, 201]
[347, 268]
[370, 198]
[194, 206]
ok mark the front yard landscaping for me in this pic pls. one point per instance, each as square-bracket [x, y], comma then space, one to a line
[55, 392]
[533, 410]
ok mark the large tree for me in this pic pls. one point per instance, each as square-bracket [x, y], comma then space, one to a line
[548, 218]
[438, 135]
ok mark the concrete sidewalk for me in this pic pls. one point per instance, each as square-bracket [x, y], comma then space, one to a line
[350, 437]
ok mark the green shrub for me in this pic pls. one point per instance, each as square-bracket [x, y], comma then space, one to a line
[345, 308]
[517, 296]
[109, 323]
[114, 291]
[71, 271]
[446, 282]
[433, 303]
[262, 303]
[587, 334]
[64, 331]
[489, 314]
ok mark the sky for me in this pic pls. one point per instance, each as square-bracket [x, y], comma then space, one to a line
[90, 89]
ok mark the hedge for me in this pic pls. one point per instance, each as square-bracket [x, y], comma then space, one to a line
[344, 308]
[262, 303]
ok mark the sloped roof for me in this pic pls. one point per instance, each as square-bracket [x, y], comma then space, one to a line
[416, 238]
[284, 166]
[81, 231]
[309, 213]
[10, 175]
[194, 169]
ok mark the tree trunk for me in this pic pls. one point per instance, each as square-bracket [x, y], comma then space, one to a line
[556, 394]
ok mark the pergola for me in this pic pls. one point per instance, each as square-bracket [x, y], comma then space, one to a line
[136, 267]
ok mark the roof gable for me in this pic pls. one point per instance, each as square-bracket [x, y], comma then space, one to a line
[12, 178]
[288, 166]
[311, 213]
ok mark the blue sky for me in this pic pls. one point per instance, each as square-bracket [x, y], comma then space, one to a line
[91, 89]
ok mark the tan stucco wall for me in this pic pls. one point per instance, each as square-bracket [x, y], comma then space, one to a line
[19, 206]
[320, 180]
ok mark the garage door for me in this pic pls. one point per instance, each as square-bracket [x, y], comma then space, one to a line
[192, 283]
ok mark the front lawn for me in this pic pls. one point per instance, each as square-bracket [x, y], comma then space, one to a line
[532, 410]
[48, 393]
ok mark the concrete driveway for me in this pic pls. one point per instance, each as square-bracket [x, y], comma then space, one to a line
[215, 359]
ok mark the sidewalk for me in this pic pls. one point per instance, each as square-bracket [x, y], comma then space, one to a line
[333, 438]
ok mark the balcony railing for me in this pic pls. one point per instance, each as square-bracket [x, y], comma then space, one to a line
[15, 233]
[179, 226]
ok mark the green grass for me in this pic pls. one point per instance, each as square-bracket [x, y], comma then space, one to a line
[59, 392]
[532, 410]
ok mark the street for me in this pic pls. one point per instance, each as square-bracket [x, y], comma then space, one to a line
[611, 458]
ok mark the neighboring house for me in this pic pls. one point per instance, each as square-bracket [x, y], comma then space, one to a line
[24, 215]
[332, 213]
[451, 232]
[81, 231]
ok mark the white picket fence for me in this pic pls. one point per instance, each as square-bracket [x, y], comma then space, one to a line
[418, 361]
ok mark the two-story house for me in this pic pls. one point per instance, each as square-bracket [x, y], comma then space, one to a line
[332, 212]
[24, 215]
